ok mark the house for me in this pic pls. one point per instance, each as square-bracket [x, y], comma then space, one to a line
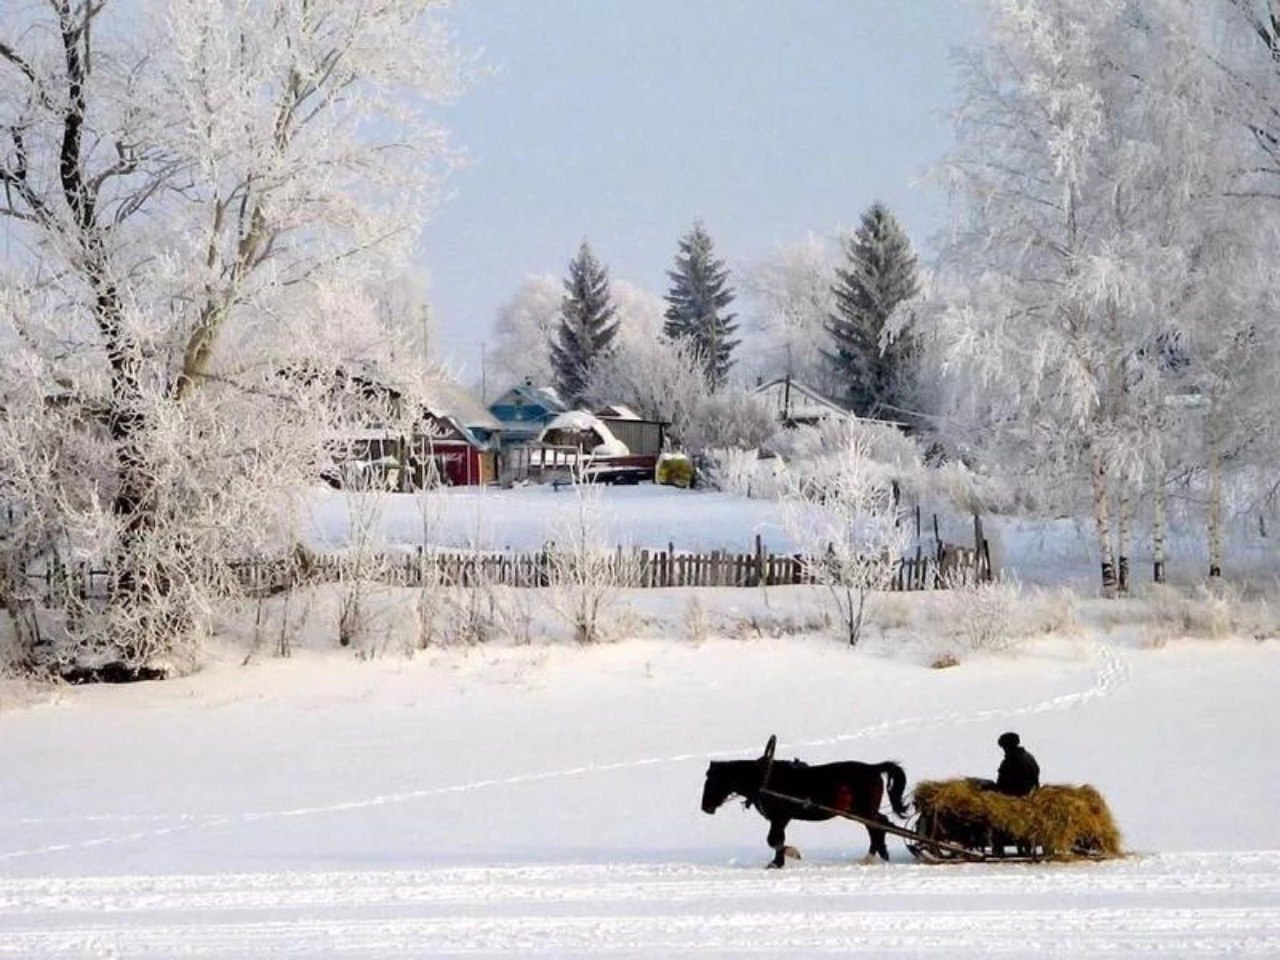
[458, 437]
[796, 404]
[524, 411]
[576, 443]
[451, 438]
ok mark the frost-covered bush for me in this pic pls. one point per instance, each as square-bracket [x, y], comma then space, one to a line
[845, 518]
[817, 455]
[588, 571]
[1210, 612]
[732, 417]
[744, 472]
[985, 616]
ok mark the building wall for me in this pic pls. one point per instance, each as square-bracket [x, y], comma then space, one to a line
[642, 437]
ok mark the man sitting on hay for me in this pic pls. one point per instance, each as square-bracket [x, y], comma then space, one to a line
[1019, 774]
[1050, 822]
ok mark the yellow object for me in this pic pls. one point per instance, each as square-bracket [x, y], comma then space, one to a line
[674, 471]
[1063, 821]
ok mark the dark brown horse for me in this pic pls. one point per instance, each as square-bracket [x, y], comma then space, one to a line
[850, 786]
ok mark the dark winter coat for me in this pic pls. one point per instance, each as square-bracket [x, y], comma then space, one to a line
[1019, 773]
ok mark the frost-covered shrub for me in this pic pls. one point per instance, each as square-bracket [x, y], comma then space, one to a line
[744, 472]
[846, 521]
[731, 417]
[984, 617]
[1053, 612]
[588, 571]
[1212, 612]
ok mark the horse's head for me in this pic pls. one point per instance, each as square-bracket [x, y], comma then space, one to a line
[718, 787]
[743, 777]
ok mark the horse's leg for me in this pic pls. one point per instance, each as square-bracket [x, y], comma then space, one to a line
[878, 847]
[778, 841]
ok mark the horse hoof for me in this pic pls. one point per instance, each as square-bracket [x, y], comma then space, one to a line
[771, 865]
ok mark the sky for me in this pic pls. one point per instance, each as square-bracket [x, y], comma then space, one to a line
[622, 121]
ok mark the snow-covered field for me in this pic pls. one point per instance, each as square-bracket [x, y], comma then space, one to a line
[543, 801]
[524, 518]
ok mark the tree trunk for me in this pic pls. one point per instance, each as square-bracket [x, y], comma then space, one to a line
[1215, 501]
[1102, 522]
[1124, 537]
[1157, 530]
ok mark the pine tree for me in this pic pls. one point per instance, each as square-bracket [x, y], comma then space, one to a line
[697, 297]
[881, 274]
[587, 325]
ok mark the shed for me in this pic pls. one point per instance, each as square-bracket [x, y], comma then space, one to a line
[795, 403]
[643, 437]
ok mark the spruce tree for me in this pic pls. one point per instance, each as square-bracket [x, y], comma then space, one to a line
[587, 327]
[696, 301]
[880, 274]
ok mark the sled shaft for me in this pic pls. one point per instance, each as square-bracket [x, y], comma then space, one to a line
[877, 825]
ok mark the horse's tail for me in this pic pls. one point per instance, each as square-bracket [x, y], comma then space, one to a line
[897, 784]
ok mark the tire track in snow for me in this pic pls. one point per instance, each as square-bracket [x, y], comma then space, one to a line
[1112, 673]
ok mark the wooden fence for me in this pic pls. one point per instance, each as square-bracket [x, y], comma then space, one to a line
[949, 566]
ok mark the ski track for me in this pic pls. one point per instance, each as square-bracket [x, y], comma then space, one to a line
[1179, 905]
[1112, 673]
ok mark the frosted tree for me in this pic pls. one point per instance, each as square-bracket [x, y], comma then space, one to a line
[792, 295]
[640, 315]
[879, 274]
[1053, 327]
[845, 518]
[203, 193]
[697, 301]
[657, 378]
[1230, 346]
[665, 380]
[587, 325]
[524, 329]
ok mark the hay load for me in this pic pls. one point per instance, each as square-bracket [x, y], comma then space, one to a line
[1056, 821]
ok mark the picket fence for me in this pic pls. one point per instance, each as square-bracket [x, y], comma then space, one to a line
[944, 567]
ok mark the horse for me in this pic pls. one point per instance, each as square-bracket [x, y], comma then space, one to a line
[849, 786]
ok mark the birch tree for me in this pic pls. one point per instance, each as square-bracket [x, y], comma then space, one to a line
[1055, 323]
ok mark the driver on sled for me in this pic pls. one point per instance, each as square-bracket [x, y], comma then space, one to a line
[1019, 774]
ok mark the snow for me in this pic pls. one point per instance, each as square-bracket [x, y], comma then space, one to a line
[646, 516]
[584, 420]
[541, 800]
